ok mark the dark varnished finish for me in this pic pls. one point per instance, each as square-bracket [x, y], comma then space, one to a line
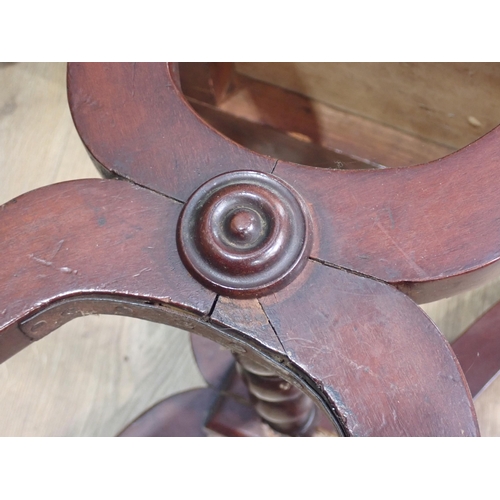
[427, 229]
[360, 349]
[478, 350]
[123, 227]
[135, 122]
[55, 281]
[381, 363]
[374, 222]
[244, 234]
[57, 294]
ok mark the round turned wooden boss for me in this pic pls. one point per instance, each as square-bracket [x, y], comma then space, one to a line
[244, 234]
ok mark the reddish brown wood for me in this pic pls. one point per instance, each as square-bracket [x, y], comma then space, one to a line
[135, 122]
[234, 414]
[227, 411]
[214, 362]
[372, 354]
[431, 230]
[246, 319]
[118, 224]
[280, 397]
[478, 350]
[244, 234]
[234, 417]
[373, 222]
[360, 349]
[55, 281]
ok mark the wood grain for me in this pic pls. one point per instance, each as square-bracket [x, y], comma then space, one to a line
[378, 360]
[452, 104]
[47, 236]
[426, 229]
[152, 135]
[391, 224]
[478, 350]
[94, 381]
[96, 374]
[314, 123]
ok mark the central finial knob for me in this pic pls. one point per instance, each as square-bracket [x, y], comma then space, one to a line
[244, 234]
[245, 226]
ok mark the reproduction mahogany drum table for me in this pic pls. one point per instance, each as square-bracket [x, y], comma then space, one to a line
[308, 277]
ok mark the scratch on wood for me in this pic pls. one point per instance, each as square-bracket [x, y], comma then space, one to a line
[64, 269]
[389, 212]
[408, 259]
[472, 364]
[146, 269]
[59, 246]
[355, 365]
[68, 270]
[41, 261]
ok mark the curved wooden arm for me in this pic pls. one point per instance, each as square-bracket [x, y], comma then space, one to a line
[431, 230]
[89, 247]
[382, 364]
[478, 350]
[89, 238]
[152, 135]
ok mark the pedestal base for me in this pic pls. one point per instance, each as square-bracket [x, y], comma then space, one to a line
[222, 409]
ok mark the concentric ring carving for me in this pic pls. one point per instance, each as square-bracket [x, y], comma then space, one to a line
[244, 234]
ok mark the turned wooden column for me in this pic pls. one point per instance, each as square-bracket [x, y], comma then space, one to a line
[278, 402]
[309, 275]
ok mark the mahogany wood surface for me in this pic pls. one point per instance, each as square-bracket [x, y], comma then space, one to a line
[379, 343]
[61, 225]
[214, 361]
[427, 229]
[390, 209]
[151, 134]
[236, 416]
[49, 266]
[341, 351]
[478, 350]
[279, 403]
[231, 412]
